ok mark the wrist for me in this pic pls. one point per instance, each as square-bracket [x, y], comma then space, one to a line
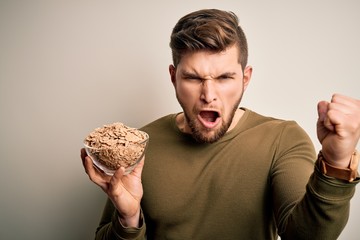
[335, 159]
[348, 173]
[128, 222]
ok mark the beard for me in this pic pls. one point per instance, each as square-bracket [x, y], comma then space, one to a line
[201, 134]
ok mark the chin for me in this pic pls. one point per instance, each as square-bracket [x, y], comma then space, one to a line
[210, 135]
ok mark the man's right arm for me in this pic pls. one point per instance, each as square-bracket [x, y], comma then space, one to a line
[122, 217]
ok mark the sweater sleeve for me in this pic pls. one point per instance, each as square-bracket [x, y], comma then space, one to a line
[307, 204]
[110, 227]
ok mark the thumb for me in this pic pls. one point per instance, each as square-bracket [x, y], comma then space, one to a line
[322, 110]
[323, 119]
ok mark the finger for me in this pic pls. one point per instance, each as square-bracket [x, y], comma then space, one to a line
[322, 110]
[89, 167]
[343, 110]
[120, 177]
[139, 168]
[338, 98]
[118, 174]
[83, 154]
[95, 176]
[323, 113]
[347, 104]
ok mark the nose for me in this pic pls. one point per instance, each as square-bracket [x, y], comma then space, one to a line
[208, 91]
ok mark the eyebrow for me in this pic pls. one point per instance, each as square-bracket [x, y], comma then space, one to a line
[227, 74]
[186, 74]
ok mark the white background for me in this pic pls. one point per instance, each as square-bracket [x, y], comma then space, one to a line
[67, 67]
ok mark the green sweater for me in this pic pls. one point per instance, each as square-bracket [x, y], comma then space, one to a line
[257, 182]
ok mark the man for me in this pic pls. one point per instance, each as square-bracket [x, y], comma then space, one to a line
[217, 171]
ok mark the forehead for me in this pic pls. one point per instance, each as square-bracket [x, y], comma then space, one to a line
[206, 62]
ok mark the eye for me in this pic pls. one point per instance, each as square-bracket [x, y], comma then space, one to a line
[225, 77]
[192, 78]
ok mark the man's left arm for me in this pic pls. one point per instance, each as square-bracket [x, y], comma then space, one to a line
[338, 130]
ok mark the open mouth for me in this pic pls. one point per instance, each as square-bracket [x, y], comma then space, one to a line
[209, 118]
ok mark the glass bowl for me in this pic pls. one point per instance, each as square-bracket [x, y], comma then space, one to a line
[110, 158]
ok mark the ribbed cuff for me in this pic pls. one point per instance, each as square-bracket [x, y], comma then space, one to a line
[329, 188]
[122, 232]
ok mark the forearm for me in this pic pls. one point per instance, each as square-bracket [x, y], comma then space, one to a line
[322, 213]
[110, 226]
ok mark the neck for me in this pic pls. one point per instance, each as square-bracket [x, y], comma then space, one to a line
[182, 124]
[237, 116]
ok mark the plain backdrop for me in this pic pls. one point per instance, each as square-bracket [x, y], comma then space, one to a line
[67, 67]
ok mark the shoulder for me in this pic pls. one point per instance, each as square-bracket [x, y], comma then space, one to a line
[281, 128]
[254, 119]
[164, 123]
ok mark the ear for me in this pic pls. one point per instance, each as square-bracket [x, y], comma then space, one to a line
[172, 71]
[247, 76]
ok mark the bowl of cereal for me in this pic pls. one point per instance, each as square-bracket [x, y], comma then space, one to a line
[116, 145]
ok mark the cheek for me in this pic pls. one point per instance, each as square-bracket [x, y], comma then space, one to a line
[231, 94]
[186, 94]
